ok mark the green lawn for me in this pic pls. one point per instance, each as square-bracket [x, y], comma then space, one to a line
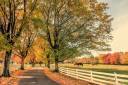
[119, 69]
[101, 68]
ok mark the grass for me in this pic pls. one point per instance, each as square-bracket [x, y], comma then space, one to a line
[119, 69]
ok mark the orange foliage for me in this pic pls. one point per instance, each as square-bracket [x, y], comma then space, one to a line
[110, 58]
[16, 59]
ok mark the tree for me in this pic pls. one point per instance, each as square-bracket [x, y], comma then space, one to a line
[80, 25]
[101, 58]
[14, 15]
[37, 53]
[24, 44]
[45, 51]
[31, 59]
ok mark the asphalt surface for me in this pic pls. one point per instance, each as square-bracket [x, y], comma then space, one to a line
[35, 77]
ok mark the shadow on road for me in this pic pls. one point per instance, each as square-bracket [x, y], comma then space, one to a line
[35, 77]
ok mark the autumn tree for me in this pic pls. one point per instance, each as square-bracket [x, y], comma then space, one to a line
[38, 51]
[76, 25]
[24, 44]
[14, 15]
[48, 56]
[46, 52]
[37, 54]
[31, 58]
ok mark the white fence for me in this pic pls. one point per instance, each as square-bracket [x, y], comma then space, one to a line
[100, 78]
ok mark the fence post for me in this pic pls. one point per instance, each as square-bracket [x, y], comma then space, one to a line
[116, 79]
[91, 76]
[67, 71]
[76, 73]
[59, 69]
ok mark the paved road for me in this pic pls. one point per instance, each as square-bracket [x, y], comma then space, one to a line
[35, 77]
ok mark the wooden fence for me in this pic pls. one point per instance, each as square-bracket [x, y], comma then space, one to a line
[100, 78]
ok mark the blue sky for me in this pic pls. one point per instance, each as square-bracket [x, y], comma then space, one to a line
[119, 11]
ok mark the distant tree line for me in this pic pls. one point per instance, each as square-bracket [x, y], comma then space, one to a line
[118, 58]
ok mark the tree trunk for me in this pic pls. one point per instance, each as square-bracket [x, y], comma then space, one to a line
[40, 64]
[6, 72]
[56, 64]
[48, 61]
[22, 64]
[33, 64]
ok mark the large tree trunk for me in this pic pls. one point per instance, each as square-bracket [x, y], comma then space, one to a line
[48, 61]
[56, 64]
[22, 64]
[6, 72]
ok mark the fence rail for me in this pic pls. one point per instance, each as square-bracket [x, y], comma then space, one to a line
[100, 78]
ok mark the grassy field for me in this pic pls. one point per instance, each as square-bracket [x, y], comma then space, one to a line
[119, 69]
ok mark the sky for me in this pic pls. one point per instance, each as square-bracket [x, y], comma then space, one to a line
[118, 9]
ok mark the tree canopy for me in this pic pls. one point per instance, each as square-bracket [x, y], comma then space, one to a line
[76, 26]
[69, 28]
